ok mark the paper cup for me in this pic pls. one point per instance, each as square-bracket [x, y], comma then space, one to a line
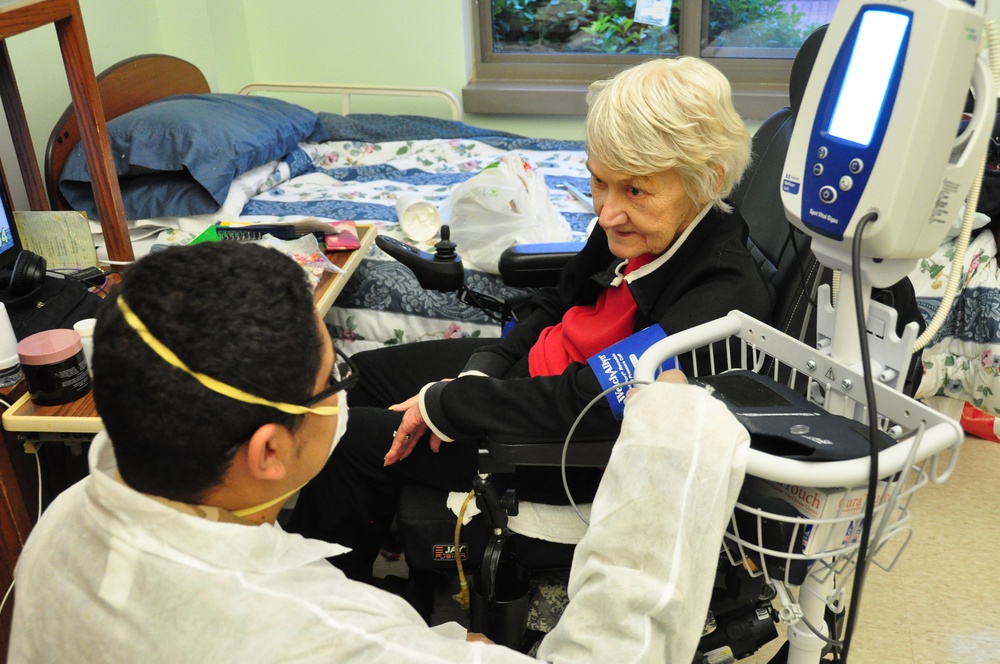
[419, 219]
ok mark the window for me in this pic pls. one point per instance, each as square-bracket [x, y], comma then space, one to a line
[538, 56]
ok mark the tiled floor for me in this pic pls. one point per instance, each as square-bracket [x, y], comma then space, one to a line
[940, 604]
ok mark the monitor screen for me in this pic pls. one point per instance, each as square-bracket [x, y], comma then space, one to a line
[869, 73]
[10, 244]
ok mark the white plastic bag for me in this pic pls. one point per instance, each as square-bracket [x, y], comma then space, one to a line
[506, 203]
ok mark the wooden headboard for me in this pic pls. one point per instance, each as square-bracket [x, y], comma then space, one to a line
[124, 86]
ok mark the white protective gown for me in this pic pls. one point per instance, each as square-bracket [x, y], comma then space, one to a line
[111, 575]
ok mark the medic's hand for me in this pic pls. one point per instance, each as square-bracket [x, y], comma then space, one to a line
[668, 376]
[476, 637]
[672, 376]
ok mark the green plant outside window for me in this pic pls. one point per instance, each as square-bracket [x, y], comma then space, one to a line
[611, 26]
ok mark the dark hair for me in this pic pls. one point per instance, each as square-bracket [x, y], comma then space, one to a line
[240, 313]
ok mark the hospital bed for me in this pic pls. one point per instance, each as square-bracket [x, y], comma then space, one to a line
[356, 174]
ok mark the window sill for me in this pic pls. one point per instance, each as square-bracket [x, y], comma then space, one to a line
[525, 97]
[517, 97]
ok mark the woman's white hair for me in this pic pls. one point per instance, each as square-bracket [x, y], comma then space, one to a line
[671, 113]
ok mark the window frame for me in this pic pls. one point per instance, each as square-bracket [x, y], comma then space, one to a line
[516, 84]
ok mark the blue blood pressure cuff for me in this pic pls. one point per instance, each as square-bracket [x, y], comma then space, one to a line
[616, 364]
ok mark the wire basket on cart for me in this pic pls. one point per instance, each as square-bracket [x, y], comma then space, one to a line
[777, 530]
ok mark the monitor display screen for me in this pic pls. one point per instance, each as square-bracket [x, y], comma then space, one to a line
[7, 240]
[10, 244]
[869, 73]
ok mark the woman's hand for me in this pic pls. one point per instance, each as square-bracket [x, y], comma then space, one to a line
[411, 428]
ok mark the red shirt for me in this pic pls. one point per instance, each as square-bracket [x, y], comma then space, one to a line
[587, 329]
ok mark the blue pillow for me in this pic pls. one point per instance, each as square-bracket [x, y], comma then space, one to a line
[207, 139]
[175, 194]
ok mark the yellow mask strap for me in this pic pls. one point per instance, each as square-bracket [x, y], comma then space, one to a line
[217, 386]
[263, 506]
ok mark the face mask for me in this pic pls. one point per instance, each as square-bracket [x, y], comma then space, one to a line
[337, 435]
[341, 422]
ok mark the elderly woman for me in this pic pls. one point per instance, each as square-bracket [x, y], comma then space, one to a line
[665, 147]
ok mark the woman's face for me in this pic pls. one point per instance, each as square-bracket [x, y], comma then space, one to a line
[641, 214]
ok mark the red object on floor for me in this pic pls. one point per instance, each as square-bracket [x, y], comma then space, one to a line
[979, 424]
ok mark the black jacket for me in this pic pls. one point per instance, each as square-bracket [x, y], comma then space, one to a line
[711, 274]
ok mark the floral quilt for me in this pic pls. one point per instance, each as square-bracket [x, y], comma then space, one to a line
[360, 180]
[962, 361]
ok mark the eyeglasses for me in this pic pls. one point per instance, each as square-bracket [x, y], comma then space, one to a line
[343, 376]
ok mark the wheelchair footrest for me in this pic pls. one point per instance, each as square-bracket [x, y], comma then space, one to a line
[500, 594]
[503, 621]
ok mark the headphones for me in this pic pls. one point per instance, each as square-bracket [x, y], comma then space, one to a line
[27, 277]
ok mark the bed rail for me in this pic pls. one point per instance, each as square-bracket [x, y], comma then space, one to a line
[346, 91]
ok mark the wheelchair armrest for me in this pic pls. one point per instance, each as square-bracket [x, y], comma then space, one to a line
[527, 265]
[500, 453]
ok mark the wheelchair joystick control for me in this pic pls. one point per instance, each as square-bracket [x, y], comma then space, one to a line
[444, 250]
[440, 271]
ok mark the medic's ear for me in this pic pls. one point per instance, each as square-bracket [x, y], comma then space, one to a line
[265, 451]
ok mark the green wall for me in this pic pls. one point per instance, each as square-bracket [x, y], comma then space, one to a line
[423, 43]
[235, 42]
[119, 29]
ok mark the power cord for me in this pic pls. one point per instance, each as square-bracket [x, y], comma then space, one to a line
[3, 602]
[38, 465]
[92, 277]
[861, 569]
[802, 269]
[569, 437]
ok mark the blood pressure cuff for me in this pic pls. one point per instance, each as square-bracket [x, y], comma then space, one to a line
[784, 423]
[616, 364]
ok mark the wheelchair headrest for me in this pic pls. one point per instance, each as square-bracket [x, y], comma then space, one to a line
[802, 67]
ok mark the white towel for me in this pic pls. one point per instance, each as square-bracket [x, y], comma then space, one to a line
[553, 523]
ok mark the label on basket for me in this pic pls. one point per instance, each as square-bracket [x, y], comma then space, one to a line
[723, 655]
[838, 513]
[616, 364]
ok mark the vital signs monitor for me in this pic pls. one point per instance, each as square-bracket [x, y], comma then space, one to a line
[878, 132]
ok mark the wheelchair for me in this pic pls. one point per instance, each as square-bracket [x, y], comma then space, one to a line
[505, 565]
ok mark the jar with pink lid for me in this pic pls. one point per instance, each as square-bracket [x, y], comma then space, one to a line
[54, 366]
